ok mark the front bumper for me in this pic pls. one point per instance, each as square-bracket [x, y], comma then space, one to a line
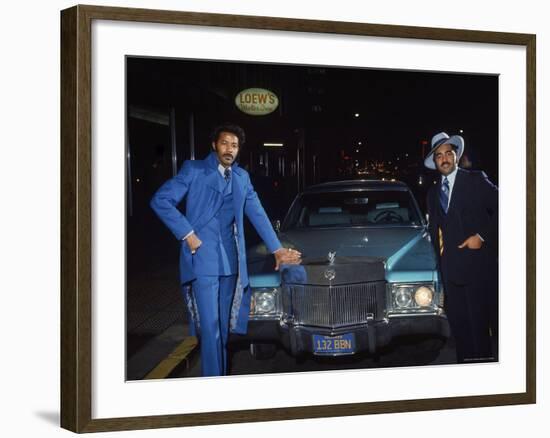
[369, 337]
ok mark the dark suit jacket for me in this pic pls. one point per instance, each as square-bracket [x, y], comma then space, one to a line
[473, 209]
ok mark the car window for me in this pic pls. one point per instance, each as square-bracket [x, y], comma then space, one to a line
[353, 208]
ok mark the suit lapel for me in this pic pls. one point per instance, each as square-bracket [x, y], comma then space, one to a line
[212, 176]
[208, 205]
[237, 189]
[213, 180]
[457, 191]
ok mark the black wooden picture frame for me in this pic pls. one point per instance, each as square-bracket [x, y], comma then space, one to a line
[76, 217]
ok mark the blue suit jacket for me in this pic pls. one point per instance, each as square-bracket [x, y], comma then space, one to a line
[199, 182]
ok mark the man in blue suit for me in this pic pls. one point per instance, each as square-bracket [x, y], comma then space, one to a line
[213, 268]
[463, 224]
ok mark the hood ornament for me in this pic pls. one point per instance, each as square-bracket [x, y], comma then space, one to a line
[330, 274]
[331, 256]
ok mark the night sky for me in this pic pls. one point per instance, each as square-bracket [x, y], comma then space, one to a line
[398, 112]
[397, 109]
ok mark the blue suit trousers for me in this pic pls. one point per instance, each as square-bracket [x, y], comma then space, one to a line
[214, 296]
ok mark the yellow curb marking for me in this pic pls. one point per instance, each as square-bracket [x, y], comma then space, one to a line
[167, 365]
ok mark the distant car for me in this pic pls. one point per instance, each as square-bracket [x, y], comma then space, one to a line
[368, 274]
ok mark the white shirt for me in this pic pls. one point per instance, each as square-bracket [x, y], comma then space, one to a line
[221, 169]
[451, 177]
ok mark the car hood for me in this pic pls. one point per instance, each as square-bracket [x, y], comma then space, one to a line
[401, 248]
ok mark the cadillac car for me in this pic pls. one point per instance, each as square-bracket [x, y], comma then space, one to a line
[368, 274]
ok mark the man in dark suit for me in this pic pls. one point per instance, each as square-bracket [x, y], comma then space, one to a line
[213, 269]
[463, 224]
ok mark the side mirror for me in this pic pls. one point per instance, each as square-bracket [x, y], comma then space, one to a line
[276, 225]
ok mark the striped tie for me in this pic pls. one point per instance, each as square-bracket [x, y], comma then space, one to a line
[444, 195]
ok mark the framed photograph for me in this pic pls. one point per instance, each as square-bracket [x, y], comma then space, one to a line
[142, 91]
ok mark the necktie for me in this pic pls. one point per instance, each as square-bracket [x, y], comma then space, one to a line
[227, 174]
[444, 195]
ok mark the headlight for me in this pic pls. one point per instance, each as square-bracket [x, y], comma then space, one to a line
[424, 296]
[264, 302]
[411, 297]
[402, 297]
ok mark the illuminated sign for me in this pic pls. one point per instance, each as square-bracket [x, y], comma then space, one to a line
[257, 101]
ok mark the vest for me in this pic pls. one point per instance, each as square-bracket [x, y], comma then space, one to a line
[228, 258]
[218, 253]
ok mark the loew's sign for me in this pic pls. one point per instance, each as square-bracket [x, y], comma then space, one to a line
[257, 101]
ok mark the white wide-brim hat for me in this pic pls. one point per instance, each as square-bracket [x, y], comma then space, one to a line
[440, 139]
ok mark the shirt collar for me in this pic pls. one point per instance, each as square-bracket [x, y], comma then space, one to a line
[450, 177]
[221, 169]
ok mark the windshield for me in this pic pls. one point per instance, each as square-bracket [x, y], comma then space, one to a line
[353, 208]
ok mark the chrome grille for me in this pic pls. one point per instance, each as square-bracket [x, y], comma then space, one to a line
[334, 306]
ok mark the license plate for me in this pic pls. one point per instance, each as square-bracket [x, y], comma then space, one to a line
[334, 345]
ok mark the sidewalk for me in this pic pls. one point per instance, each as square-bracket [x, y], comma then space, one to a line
[171, 353]
[156, 320]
